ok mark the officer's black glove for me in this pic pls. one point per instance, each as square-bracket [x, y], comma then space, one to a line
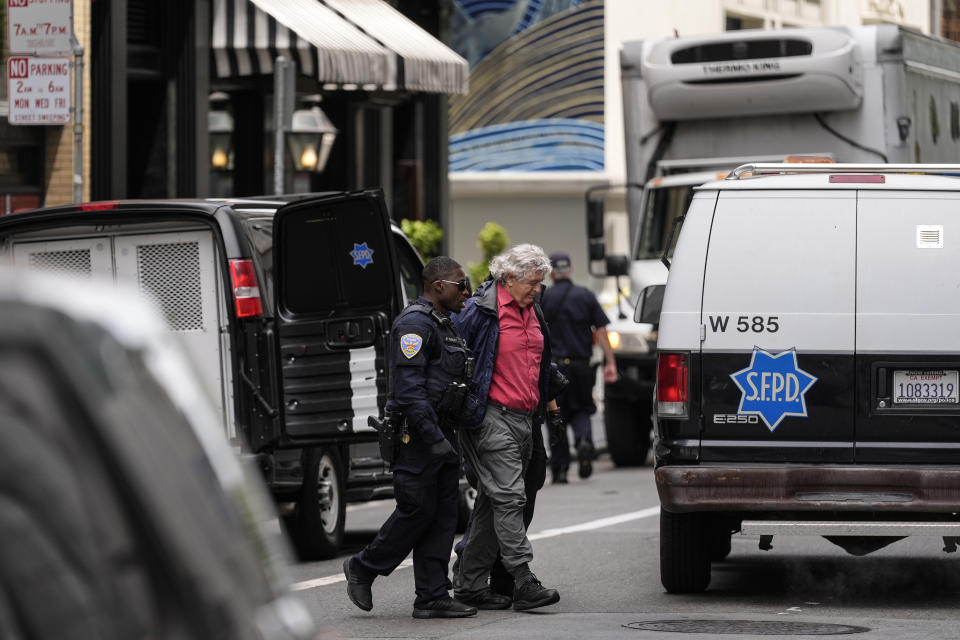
[443, 449]
[557, 382]
[557, 425]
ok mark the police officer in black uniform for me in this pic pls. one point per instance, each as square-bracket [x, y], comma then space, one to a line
[429, 366]
[574, 314]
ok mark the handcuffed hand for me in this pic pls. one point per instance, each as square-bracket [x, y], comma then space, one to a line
[557, 382]
[443, 449]
[557, 425]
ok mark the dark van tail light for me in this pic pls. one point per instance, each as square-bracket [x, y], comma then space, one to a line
[673, 385]
[98, 206]
[246, 293]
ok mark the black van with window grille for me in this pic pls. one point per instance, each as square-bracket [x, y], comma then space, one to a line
[286, 304]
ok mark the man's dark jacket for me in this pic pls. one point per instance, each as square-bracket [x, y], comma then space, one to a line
[479, 324]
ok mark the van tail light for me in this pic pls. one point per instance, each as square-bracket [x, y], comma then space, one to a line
[98, 206]
[246, 293]
[673, 385]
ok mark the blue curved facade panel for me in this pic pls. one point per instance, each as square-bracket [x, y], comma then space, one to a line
[536, 100]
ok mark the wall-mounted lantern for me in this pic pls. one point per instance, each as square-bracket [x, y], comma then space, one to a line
[309, 139]
[220, 127]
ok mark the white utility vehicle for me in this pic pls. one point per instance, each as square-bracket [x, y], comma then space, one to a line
[808, 377]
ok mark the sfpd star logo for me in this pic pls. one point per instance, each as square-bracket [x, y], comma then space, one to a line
[773, 386]
[361, 254]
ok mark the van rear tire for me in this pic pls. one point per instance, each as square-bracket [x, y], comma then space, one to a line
[317, 524]
[720, 541]
[627, 427]
[684, 552]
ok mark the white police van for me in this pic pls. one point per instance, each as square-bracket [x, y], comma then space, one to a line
[808, 375]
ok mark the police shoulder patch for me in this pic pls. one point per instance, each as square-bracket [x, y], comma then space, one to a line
[410, 344]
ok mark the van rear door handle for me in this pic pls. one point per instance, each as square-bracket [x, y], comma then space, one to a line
[348, 332]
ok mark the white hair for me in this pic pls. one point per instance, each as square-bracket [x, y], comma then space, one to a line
[524, 261]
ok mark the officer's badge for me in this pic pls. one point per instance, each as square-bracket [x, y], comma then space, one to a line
[410, 344]
[362, 254]
[773, 387]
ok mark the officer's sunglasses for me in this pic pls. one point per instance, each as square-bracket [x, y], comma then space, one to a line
[462, 285]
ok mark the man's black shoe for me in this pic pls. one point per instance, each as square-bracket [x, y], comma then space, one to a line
[444, 608]
[585, 458]
[560, 477]
[487, 599]
[530, 594]
[357, 590]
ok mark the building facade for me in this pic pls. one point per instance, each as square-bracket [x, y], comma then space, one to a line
[545, 203]
[178, 102]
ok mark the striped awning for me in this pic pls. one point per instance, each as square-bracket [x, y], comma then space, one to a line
[427, 64]
[348, 43]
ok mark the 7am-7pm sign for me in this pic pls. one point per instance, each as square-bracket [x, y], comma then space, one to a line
[39, 90]
[40, 27]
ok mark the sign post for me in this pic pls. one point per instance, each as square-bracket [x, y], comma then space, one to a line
[77, 122]
[284, 83]
[41, 42]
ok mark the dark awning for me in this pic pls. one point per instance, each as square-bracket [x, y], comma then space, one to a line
[348, 43]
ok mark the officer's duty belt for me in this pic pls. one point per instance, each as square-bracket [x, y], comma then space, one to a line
[505, 409]
[571, 360]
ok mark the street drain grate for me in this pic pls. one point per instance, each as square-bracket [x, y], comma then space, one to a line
[751, 627]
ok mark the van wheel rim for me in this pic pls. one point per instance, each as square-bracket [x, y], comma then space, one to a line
[327, 494]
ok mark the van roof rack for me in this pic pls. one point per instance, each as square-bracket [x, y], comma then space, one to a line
[763, 168]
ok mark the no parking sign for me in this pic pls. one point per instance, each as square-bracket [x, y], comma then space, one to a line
[39, 90]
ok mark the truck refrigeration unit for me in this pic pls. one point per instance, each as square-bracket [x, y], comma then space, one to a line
[696, 107]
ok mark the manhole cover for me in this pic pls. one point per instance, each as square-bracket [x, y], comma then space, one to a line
[753, 627]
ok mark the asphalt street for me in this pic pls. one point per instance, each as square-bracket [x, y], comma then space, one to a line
[596, 541]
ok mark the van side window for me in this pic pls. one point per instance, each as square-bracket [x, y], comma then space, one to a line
[663, 206]
[259, 231]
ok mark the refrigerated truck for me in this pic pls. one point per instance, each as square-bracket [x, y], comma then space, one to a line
[698, 106]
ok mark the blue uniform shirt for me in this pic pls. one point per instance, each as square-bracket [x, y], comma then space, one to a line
[573, 313]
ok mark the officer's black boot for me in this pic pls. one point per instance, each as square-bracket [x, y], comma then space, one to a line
[585, 459]
[560, 475]
[358, 590]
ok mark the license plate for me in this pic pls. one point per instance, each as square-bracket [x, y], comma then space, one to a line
[926, 387]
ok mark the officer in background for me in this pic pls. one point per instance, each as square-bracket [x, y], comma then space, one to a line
[574, 314]
[429, 364]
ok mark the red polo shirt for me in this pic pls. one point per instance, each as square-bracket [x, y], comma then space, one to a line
[516, 371]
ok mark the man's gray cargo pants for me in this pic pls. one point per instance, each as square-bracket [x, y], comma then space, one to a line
[499, 452]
